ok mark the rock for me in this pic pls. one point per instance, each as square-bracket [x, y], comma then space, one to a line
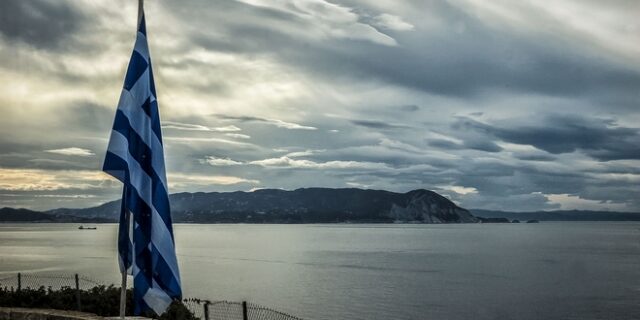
[429, 207]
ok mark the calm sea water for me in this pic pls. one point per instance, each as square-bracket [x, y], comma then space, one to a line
[472, 271]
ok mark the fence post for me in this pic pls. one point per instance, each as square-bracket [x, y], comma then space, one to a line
[206, 309]
[78, 292]
[19, 281]
[244, 310]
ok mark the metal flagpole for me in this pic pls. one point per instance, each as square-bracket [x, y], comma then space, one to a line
[124, 268]
[123, 288]
[123, 294]
[140, 10]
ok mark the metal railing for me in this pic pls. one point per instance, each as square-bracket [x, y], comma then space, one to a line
[201, 308]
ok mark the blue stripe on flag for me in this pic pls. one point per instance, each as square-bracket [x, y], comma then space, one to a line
[146, 106]
[155, 120]
[152, 84]
[137, 66]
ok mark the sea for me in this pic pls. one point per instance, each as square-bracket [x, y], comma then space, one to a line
[548, 270]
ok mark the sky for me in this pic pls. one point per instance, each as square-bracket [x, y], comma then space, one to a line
[508, 105]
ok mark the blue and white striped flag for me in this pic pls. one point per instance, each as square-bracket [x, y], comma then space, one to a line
[135, 156]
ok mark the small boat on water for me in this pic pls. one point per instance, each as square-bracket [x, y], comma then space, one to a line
[86, 228]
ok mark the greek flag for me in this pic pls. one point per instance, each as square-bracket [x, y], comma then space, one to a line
[135, 156]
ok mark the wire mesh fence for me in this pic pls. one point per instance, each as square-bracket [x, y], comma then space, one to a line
[196, 306]
[201, 308]
[54, 281]
[234, 310]
[263, 313]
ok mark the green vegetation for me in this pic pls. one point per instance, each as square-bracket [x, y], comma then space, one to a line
[100, 300]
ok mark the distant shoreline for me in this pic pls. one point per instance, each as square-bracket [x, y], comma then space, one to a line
[314, 206]
[88, 224]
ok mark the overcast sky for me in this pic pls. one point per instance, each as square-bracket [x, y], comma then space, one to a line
[516, 105]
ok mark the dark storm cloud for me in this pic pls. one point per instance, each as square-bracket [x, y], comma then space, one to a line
[239, 118]
[66, 198]
[444, 144]
[79, 122]
[482, 57]
[554, 181]
[374, 124]
[245, 35]
[44, 24]
[523, 202]
[275, 122]
[602, 139]
[54, 140]
[90, 117]
[474, 143]
[447, 63]
[535, 157]
[329, 95]
[32, 156]
[482, 145]
[410, 108]
[496, 180]
[378, 154]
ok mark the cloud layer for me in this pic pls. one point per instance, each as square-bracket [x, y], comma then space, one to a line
[501, 105]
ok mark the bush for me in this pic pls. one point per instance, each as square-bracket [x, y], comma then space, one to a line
[100, 300]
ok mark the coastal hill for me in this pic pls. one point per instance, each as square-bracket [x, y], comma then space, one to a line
[308, 205]
[24, 215]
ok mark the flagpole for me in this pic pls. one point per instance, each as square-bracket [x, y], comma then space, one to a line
[140, 11]
[123, 287]
[123, 294]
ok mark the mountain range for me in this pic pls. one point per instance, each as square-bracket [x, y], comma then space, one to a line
[313, 205]
[308, 205]
[25, 215]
